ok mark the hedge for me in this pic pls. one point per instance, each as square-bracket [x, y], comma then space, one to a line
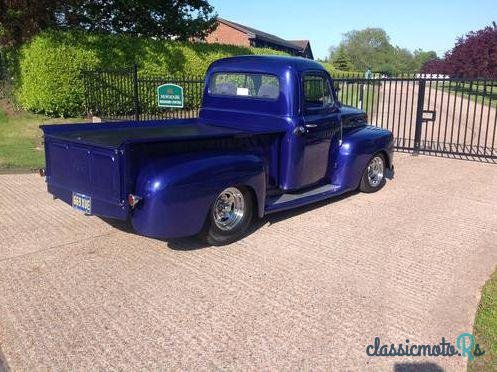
[50, 71]
[341, 74]
[51, 65]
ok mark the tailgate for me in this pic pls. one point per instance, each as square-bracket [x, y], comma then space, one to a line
[89, 170]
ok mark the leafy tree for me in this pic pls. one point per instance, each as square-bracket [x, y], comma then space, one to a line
[435, 66]
[371, 48]
[341, 60]
[165, 19]
[366, 48]
[421, 57]
[475, 55]
[403, 61]
[20, 20]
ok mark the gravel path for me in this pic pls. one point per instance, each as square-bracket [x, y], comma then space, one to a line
[309, 289]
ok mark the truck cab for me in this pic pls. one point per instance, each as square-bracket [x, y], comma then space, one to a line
[271, 135]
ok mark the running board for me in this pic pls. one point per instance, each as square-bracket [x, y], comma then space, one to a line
[287, 201]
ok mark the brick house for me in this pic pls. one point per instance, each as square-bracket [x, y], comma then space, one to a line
[228, 32]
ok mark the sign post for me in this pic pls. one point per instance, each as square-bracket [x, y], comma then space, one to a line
[170, 95]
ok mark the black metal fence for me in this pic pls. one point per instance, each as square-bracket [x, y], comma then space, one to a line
[123, 94]
[431, 114]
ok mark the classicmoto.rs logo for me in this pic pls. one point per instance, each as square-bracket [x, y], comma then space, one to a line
[464, 346]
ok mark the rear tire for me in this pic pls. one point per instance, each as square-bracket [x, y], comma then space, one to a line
[373, 178]
[230, 216]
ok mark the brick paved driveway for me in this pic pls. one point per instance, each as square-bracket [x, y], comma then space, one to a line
[308, 289]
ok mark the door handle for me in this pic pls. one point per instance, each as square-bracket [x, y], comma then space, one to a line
[311, 125]
[299, 131]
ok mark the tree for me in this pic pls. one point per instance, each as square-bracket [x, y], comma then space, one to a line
[341, 60]
[475, 55]
[22, 19]
[168, 19]
[367, 48]
[403, 61]
[435, 66]
[421, 57]
[371, 48]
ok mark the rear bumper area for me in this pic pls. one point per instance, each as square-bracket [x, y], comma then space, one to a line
[99, 207]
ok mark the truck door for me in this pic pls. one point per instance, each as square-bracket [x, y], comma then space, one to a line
[320, 127]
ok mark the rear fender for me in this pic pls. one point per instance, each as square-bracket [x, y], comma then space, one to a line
[178, 191]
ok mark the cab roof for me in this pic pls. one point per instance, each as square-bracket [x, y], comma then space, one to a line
[266, 64]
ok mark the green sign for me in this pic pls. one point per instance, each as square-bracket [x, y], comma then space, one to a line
[170, 95]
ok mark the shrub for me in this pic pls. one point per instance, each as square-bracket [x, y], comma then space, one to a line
[50, 76]
[51, 65]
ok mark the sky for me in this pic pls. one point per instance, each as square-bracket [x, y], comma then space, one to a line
[429, 25]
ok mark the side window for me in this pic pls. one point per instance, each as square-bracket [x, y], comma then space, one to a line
[317, 92]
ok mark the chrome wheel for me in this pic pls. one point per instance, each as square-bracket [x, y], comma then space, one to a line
[375, 171]
[228, 209]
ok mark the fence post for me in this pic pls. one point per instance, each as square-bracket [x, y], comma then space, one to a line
[136, 102]
[419, 115]
[361, 95]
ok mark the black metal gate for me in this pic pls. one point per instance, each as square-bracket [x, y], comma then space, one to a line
[430, 115]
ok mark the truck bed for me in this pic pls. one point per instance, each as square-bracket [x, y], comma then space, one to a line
[114, 135]
[101, 161]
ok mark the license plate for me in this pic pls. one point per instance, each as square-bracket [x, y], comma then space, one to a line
[81, 202]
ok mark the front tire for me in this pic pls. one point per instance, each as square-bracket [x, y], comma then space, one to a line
[373, 178]
[230, 216]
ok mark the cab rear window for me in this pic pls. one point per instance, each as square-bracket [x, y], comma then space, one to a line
[263, 86]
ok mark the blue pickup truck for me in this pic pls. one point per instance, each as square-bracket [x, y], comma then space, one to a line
[271, 135]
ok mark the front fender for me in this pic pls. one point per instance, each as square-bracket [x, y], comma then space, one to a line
[178, 191]
[356, 150]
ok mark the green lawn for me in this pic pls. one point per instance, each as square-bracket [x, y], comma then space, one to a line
[20, 139]
[485, 328]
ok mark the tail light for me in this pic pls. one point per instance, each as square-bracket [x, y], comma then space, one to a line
[133, 200]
